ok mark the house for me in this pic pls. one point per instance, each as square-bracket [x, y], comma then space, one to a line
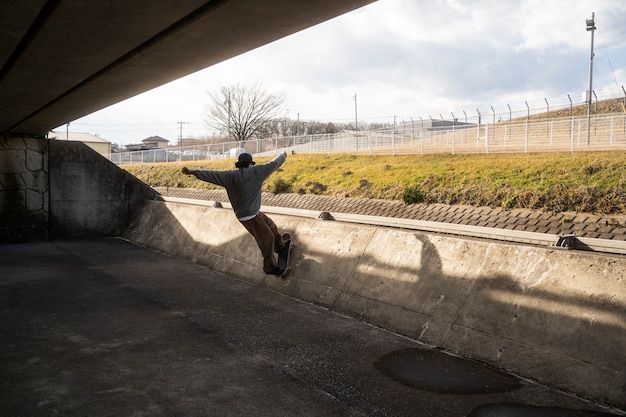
[102, 146]
[155, 142]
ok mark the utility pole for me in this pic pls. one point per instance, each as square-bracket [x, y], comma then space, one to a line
[180, 134]
[591, 27]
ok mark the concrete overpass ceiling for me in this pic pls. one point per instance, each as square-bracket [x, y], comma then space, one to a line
[64, 59]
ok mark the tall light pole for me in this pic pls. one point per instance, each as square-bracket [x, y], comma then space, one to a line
[591, 27]
[356, 123]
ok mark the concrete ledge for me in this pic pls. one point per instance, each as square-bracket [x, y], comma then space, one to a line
[552, 315]
[505, 235]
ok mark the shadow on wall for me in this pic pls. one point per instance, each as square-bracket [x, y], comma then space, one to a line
[89, 195]
[510, 306]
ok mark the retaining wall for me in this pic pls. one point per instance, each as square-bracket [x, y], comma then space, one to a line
[51, 189]
[552, 315]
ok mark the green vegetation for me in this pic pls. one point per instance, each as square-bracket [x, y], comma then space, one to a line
[593, 182]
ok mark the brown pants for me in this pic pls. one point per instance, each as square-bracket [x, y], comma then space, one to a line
[267, 237]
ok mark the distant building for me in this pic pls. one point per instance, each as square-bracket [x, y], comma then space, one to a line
[102, 146]
[135, 147]
[155, 142]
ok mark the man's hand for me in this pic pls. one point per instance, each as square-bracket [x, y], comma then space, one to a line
[185, 171]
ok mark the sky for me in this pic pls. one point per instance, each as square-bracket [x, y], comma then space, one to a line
[401, 60]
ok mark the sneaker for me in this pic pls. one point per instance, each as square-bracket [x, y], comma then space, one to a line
[285, 244]
[276, 271]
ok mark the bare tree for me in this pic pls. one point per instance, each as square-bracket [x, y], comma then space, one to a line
[290, 127]
[241, 111]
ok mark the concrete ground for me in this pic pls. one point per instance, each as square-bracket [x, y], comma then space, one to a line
[108, 328]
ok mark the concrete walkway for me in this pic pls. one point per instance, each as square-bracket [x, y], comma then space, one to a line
[108, 328]
[582, 224]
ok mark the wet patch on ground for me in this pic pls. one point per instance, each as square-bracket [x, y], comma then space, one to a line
[436, 371]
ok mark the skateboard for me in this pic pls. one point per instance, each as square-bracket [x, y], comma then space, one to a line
[283, 255]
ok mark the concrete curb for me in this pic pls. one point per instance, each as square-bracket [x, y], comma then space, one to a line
[482, 232]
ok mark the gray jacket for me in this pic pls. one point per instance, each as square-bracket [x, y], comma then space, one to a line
[243, 185]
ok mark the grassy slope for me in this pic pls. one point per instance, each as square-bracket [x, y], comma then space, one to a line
[584, 182]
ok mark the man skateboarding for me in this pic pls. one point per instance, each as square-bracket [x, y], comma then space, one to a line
[243, 186]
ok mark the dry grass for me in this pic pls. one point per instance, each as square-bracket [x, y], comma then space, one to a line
[592, 182]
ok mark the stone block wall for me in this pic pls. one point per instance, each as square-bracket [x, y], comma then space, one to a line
[24, 189]
[52, 189]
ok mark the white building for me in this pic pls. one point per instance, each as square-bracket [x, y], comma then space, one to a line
[102, 146]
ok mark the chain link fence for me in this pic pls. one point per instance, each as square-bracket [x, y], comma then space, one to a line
[569, 134]
[502, 130]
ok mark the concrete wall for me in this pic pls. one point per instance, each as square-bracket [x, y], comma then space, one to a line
[58, 189]
[89, 195]
[24, 189]
[552, 315]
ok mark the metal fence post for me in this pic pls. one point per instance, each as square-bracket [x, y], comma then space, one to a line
[486, 138]
[572, 133]
[526, 141]
[453, 136]
[478, 129]
[551, 131]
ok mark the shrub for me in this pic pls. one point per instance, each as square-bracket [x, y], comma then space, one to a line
[413, 194]
[312, 187]
[280, 186]
[592, 169]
